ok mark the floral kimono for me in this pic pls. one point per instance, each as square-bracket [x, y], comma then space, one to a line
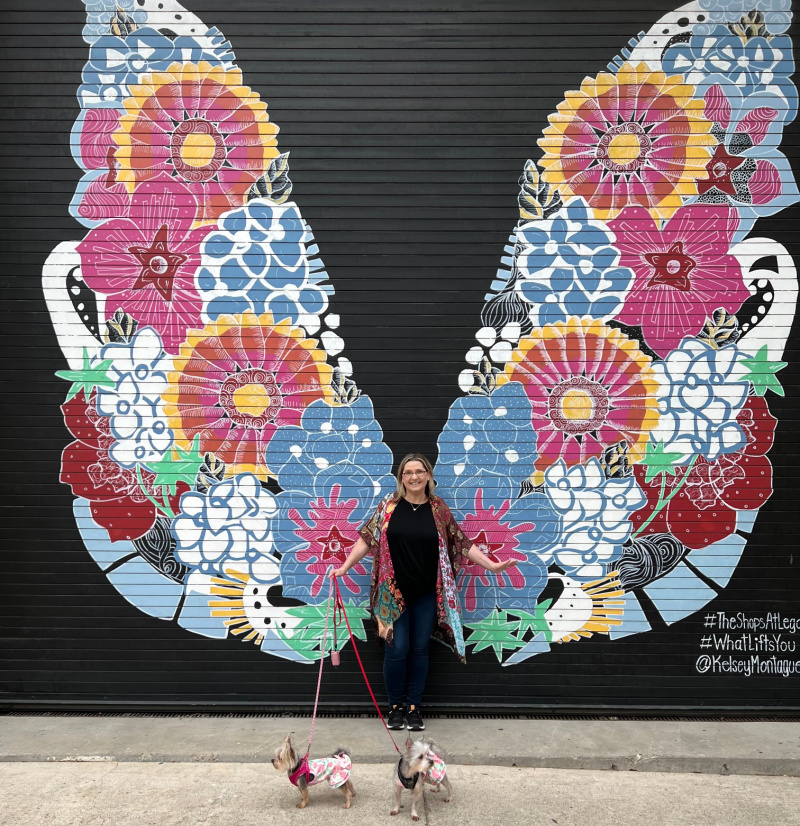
[386, 601]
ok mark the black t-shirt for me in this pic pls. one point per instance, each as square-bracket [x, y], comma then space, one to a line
[414, 547]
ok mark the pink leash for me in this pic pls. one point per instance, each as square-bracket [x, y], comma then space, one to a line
[302, 769]
[319, 678]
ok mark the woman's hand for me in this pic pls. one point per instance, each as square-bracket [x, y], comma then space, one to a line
[478, 557]
[499, 567]
[360, 550]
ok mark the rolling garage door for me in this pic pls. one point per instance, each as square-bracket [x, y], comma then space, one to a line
[558, 243]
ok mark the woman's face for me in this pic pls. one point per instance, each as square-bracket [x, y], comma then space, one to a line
[415, 477]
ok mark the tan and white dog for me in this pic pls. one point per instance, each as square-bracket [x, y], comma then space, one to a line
[304, 773]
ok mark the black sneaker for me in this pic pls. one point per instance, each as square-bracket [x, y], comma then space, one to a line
[395, 720]
[414, 720]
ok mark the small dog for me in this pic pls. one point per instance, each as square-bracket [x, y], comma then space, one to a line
[420, 764]
[335, 769]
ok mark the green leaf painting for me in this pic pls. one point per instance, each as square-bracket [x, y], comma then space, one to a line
[306, 638]
[762, 372]
[658, 461]
[170, 470]
[536, 622]
[88, 377]
[495, 632]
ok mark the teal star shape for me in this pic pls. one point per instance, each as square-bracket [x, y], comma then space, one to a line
[762, 372]
[171, 469]
[88, 377]
[657, 461]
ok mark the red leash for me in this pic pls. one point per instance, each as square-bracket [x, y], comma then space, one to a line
[339, 605]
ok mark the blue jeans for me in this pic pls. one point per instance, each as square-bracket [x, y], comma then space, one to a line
[407, 657]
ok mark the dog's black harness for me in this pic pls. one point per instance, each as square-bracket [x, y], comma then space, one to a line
[407, 782]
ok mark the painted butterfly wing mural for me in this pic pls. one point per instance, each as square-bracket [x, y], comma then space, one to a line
[614, 424]
[223, 458]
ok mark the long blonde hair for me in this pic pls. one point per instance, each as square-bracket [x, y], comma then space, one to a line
[430, 486]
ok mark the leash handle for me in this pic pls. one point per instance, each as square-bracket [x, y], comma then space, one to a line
[339, 602]
[321, 661]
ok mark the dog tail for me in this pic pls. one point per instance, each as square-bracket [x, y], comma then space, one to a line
[340, 751]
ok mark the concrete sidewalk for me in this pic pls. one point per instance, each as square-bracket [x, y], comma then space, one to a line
[753, 748]
[247, 794]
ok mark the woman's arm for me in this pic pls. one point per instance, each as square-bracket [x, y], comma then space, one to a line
[477, 556]
[360, 550]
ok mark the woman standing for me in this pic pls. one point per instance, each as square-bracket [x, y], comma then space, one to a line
[418, 548]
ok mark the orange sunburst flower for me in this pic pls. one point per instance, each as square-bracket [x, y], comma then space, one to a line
[636, 138]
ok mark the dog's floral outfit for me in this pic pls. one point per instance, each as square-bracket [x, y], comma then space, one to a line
[336, 770]
[385, 600]
[437, 771]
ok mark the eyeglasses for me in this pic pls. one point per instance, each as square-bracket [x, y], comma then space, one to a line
[410, 474]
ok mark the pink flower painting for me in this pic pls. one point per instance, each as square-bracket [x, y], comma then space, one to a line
[683, 272]
[498, 534]
[240, 379]
[746, 168]
[590, 387]
[330, 535]
[637, 137]
[198, 123]
[100, 194]
[145, 262]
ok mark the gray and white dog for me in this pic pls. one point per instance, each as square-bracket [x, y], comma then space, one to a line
[422, 763]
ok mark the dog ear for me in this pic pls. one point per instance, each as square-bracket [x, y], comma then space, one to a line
[409, 743]
[288, 738]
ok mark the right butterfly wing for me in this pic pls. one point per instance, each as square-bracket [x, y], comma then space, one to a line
[620, 268]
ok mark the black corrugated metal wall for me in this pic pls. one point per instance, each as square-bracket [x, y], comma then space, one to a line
[409, 124]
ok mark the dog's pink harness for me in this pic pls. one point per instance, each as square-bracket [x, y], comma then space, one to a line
[302, 769]
[336, 770]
